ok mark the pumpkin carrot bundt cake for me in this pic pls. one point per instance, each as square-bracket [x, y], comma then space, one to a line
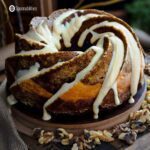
[75, 61]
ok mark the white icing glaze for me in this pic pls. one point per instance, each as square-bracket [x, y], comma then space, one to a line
[58, 27]
[87, 31]
[42, 33]
[30, 40]
[26, 74]
[34, 72]
[68, 29]
[135, 57]
[73, 27]
[135, 61]
[112, 73]
[133, 49]
[58, 22]
[65, 87]
[33, 34]
[131, 100]
[33, 69]
[114, 87]
[96, 36]
[46, 33]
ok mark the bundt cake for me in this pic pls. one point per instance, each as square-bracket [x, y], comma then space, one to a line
[75, 61]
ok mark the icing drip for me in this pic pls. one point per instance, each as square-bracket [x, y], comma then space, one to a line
[33, 34]
[73, 27]
[135, 59]
[134, 52]
[58, 27]
[87, 31]
[114, 87]
[131, 100]
[96, 36]
[69, 29]
[44, 30]
[26, 73]
[31, 70]
[65, 87]
[35, 71]
[111, 75]
[60, 31]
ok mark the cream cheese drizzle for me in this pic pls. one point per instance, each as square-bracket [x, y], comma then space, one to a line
[96, 36]
[26, 74]
[134, 52]
[114, 88]
[72, 27]
[34, 72]
[68, 30]
[46, 33]
[33, 34]
[87, 31]
[58, 27]
[41, 33]
[135, 57]
[33, 69]
[112, 73]
[60, 31]
[65, 87]
[29, 39]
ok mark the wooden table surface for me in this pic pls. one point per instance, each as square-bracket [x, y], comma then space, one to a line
[142, 143]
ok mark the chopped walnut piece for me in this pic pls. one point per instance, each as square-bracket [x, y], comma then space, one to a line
[141, 115]
[65, 141]
[124, 127]
[128, 137]
[45, 137]
[138, 126]
[148, 95]
[146, 105]
[102, 135]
